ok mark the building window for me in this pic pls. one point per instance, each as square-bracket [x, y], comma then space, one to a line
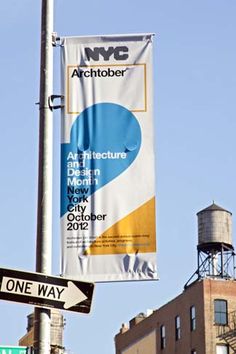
[192, 318]
[177, 328]
[163, 336]
[221, 315]
[222, 349]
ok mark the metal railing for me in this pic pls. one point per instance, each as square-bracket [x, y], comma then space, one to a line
[228, 332]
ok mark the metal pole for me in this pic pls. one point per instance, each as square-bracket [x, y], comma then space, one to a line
[198, 264]
[44, 216]
[222, 262]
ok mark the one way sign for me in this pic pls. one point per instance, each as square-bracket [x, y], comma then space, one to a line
[45, 291]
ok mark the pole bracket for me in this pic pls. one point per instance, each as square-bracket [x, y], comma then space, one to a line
[56, 41]
[51, 100]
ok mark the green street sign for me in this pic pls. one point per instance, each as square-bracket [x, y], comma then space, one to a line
[12, 350]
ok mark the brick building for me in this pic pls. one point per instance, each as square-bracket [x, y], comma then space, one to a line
[201, 320]
[56, 332]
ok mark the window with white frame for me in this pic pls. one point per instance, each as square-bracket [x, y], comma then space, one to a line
[222, 349]
[192, 318]
[177, 328]
[163, 336]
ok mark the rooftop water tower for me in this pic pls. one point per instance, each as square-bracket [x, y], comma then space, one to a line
[215, 249]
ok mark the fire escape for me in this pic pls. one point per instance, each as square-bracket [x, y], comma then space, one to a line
[228, 332]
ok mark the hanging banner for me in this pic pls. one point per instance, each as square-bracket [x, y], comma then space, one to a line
[107, 159]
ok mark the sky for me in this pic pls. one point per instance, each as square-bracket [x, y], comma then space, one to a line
[195, 89]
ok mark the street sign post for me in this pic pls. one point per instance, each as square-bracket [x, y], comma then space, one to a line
[4, 349]
[45, 291]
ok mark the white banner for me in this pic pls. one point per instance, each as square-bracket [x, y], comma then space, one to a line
[107, 159]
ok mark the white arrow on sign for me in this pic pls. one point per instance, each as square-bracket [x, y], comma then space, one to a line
[70, 294]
